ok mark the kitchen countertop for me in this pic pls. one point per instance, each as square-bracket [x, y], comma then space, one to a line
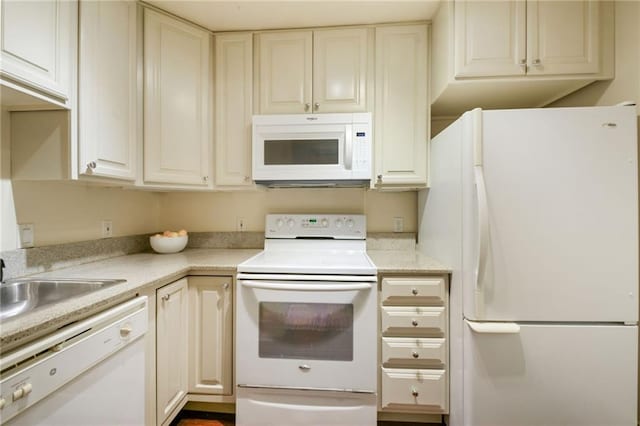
[150, 270]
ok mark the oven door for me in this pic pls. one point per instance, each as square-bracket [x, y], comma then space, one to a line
[306, 334]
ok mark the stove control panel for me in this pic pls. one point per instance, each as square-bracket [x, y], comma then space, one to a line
[337, 226]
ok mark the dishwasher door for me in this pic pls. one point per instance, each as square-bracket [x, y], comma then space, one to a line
[94, 374]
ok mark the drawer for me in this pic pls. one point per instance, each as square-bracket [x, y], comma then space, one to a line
[413, 291]
[414, 390]
[413, 320]
[403, 350]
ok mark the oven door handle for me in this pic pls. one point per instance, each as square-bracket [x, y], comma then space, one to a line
[306, 287]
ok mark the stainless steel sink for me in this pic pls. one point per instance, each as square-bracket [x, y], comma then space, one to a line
[23, 295]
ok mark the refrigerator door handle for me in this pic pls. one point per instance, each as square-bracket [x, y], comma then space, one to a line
[493, 327]
[483, 246]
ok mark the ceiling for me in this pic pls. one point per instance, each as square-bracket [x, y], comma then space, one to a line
[219, 15]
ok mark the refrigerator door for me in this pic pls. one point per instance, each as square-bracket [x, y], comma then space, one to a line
[550, 215]
[569, 375]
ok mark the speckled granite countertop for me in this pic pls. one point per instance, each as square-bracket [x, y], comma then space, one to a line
[140, 270]
[149, 270]
[405, 262]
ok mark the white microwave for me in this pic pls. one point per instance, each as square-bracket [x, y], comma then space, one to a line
[312, 149]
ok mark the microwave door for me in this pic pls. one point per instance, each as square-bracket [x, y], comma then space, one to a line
[310, 156]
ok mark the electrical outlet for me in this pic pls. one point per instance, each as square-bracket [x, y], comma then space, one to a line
[240, 224]
[398, 224]
[107, 229]
[26, 234]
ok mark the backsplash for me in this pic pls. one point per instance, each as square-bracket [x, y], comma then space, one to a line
[30, 261]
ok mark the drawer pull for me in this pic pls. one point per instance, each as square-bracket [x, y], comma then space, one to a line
[414, 392]
[415, 354]
[414, 291]
[414, 323]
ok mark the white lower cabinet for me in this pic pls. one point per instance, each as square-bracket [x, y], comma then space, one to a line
[171, 348]
[414, 390]
[414, 346]
[211, 335]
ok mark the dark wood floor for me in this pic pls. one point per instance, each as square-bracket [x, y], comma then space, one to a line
[187, 418]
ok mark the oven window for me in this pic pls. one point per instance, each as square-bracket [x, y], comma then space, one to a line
[322, 331]
[300, 151]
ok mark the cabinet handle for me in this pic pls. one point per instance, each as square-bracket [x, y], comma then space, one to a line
[523, 62]
[537, 62]
[225, 286]
[91, 165]
[126, 330]
[307, 106]
[166, 297]
[414, 323]
[247, 178]
[316, 106]
[415, 354]
[205, 178]
[414, 392]
[379, 178]
[414, 291]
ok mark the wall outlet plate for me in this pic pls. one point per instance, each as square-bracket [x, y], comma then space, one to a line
[26, 234]
[398, 224]
[107, 229]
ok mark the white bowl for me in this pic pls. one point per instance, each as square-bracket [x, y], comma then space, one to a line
[168, 244]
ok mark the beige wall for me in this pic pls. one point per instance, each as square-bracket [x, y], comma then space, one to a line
[219, 211]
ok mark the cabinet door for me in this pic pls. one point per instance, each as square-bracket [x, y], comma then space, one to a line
[490, 38]
[563, 37]
[341, 70]
[233, 97]
[210, 335]
[285, 66]
[171, 347]
[39, 44]
[108, 89]
[401, 105]
[176, 101]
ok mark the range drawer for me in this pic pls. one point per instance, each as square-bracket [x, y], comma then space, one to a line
[407, 350]
[414, 390]
[413, 291]
[413, 320]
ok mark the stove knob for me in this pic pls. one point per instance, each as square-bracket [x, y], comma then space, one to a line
[279, 223]
[324, 223]
[291, 223]
[26, 389]
[2, 403]
[339, 223]
[350, 223]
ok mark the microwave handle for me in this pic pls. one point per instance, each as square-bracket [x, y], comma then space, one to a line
[348, 147]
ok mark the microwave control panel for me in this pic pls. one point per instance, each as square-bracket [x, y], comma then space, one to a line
[361, 147]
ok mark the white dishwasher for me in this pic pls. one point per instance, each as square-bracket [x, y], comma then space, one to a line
[88, 373]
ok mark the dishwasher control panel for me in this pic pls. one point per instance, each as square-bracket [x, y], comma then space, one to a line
[56, 360]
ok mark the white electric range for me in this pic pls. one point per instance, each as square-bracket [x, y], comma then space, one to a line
[306, 325]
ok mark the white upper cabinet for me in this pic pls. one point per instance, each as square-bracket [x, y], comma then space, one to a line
[108, 119]
[285, 72]
[340, 65]
[314, 71]
[517, 53]
[511, 38]
[177, 96]
[233, 100]
[491, 37]
[39, 40]
[401, 106]
[563, 37]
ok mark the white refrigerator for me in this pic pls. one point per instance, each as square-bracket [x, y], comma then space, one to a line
[536, 211]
